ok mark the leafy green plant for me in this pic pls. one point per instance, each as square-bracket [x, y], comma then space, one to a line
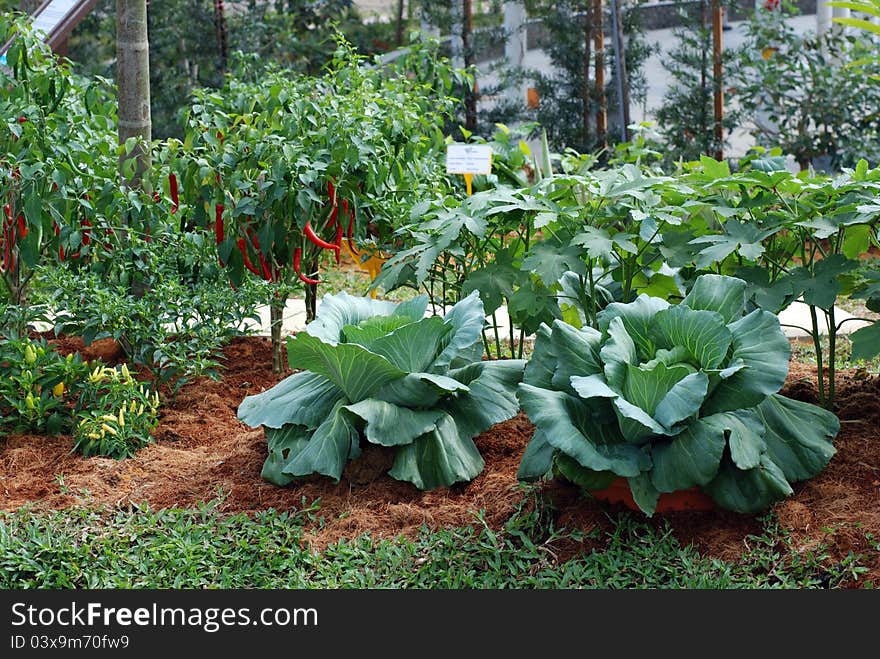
[57, 150]
[35, 386]
[116, 413]
[385, 374]
[161, 297]
[686, 116]
[293, 167]
[673, 397]
[802, 97]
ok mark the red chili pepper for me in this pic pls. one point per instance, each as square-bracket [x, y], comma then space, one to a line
[267, 273]
[22, 120]
[218, 223]
[172, 183]
[7, 248]
[350, 236]
[312, 236]
[22, 227]
[297, 257]
[247, 261]
[156, 196]
[60, 248]
[147, 237]
[86, 232]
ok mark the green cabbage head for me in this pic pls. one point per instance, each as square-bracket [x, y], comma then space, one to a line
[671, 397]
[375, 371]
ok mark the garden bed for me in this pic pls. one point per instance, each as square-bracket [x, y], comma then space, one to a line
[203, 452]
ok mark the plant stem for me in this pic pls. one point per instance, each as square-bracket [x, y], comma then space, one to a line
[817, 345]
[832, 355]
[276, 314]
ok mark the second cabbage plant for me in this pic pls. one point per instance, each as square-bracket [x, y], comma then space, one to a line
[672, 397]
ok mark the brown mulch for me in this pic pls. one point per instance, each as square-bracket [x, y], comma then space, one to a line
[203, 451]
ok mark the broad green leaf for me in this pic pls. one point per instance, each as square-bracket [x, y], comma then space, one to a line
[391, 425]
[636, 425]
[371, 329]
[533, 303]
[490, 397]
[859, 23]
[749, 491]
[438, 459]
[866, 342]
[702, 333]
[337, 311]
[303, 398]
[713, 168]
[723, 295]
[413, 309]
[691, 458]
[537, 459]
[328, 448]
[857, 241]
[592, 386]
[644, 493]
[422, 390]
[354, 369]
[584, 478]
[496, 282]
[413, 347]
[637, 318]
[759, 342]
[284, 444]
[657, 286]
[798, 436]
[822, 286]
[467, 319]
[576, 352]
[550, 261]
[744, 238]
[618, 351]
[645, 388]
[745, 436]
[540, 368]
[564, 420]
[683, 400]
[597, 242]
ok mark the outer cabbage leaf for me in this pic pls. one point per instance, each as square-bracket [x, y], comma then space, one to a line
[759, 342]
[438, 459]
[303, 398]
[723, 295]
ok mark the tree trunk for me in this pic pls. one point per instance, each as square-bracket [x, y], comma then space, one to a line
[133, 82]
[276, 314]
[585, 92]
[599, 45]
[398, 32]
[470, 99]
[623, 77]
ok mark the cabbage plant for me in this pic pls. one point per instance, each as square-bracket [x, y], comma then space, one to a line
[672, 397]
[379, 372]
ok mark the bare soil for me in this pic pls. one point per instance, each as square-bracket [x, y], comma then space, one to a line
[202, 451]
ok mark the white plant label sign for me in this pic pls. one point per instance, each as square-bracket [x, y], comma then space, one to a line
[468, 158]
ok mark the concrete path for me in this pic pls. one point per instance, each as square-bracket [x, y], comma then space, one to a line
[795, 319]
